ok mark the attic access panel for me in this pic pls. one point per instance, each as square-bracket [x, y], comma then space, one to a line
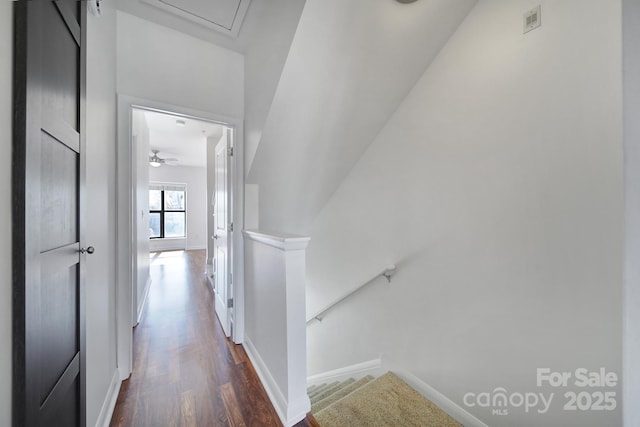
[225, 16]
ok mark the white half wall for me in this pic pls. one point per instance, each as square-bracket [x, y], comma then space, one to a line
[497, 190]
[196, 180]
[101, 212]
[275, 332]
[6, 126]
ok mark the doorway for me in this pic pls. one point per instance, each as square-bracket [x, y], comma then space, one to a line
[137, 148]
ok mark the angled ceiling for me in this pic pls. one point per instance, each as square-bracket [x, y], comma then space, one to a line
[349, 67]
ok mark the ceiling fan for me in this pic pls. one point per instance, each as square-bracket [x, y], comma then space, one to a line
[157, 161]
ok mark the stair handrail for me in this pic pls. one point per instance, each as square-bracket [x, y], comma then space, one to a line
[387, 273]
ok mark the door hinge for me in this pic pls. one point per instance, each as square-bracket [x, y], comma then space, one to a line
[230, 226]
[230, 303]
[230, 151]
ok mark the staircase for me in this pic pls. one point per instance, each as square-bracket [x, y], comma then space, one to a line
[383, 401]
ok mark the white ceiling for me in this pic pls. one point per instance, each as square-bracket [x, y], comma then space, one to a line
[186, 143]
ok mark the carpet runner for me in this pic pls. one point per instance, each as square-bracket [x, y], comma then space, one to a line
[369, 402]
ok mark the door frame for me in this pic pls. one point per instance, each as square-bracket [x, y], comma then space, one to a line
[125, 240]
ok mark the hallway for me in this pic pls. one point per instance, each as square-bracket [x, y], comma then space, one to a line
[185, 371]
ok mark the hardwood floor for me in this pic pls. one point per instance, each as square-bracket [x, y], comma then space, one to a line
[185, 371]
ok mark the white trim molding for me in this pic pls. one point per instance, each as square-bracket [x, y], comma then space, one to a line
[143, 300]
[373, 367]
[168, 244]
[284, 241]
[109, 404]
[290, 413]
[443, 402]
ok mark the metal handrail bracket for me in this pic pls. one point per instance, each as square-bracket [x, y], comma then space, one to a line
[387, 273]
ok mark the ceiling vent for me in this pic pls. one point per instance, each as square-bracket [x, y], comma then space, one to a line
[224, 16]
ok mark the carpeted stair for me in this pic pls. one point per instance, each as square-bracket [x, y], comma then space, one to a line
[384, 401]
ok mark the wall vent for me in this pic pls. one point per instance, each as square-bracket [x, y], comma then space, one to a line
[532, 19]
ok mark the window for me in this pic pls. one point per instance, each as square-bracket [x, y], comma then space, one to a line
[167, 210]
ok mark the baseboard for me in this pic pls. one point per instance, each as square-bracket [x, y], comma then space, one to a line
[449, 406]
[208, 273]
[196, 248]
[371, 367]
[298, 410]
[141, 303]
[170, 244]
[106, 412]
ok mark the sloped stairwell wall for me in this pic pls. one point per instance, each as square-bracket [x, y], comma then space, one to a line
[349, 66]
[270, 27]
[497, 189]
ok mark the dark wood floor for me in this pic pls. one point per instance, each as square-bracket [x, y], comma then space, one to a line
[185, 371]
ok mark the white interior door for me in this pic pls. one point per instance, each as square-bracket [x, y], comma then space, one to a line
[223, 278]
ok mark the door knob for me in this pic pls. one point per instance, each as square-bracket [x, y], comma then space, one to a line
[215, 236]
[88, 250]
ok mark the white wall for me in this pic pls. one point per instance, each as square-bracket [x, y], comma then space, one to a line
[154, 63]
[497, 187]
[100, 211]
[350, 65]
[631, 26]
[196, 180]
[6, 107]
[140, 139]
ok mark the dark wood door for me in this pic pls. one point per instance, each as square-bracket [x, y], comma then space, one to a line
[48, 343]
